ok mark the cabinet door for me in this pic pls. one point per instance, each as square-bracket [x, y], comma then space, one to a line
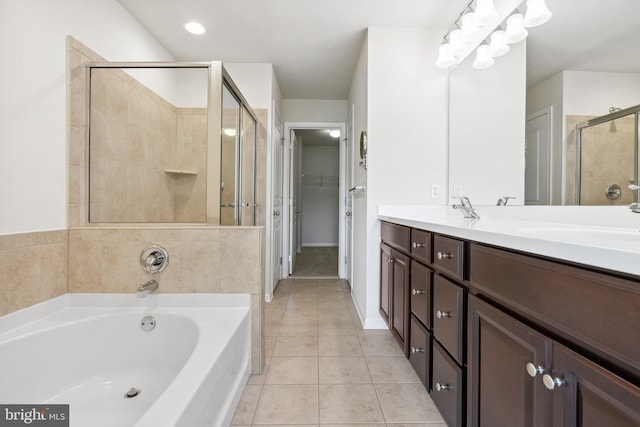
[501, 391]
[587, 395]
[386, 271]
[400, 299]
[421, 293]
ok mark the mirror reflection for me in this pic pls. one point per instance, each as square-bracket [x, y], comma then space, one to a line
[148, 144]
[582, 65]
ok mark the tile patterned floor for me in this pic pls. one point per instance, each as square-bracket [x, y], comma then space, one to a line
[316, 262]
[323, 368]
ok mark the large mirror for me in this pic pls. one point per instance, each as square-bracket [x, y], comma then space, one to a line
[582, 64]
[148, 136]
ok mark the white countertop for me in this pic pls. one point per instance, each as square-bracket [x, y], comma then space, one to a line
[602, 236]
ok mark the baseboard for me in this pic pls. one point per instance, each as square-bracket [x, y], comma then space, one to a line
[323, 245]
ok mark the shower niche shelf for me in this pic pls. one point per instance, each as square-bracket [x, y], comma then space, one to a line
[179, 172]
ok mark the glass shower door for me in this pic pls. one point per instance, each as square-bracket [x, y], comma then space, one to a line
[247, 168]
[229, 170]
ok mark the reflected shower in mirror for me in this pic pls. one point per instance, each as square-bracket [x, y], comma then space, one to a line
[148, 143]
[606, 152]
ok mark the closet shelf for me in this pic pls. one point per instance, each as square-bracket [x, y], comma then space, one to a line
[177, 172]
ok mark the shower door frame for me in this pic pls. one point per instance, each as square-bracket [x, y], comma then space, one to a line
[635, 110]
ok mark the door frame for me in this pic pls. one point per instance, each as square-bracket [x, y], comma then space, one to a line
[547, 113]
[342, 192]
[270, 237]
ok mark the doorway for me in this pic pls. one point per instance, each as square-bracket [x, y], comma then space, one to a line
[314, 187]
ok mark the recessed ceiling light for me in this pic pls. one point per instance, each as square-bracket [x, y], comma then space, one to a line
[195, 28]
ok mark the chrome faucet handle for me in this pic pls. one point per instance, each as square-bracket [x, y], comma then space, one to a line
[502, 201]
[466, 207]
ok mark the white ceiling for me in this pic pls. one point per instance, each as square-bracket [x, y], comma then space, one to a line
[314, 44]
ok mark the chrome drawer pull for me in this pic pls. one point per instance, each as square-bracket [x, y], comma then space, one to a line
[442, 314]
[417, 350]
[551, 382]
[417, 292]
[444, 255]
[442, 387]
[534, 370]
[416, 245]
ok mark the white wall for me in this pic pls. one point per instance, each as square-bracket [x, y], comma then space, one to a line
[407, 132]
[358, 99]
[320, 201]
[255, 81]
[314, 110]
[487, 129]
[592, 93]
[33, 148]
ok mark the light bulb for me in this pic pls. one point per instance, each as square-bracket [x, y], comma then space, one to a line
[515, 31]
[483, 59]
[498, 46]
[485, 14]
[445, 59]
[537, 13]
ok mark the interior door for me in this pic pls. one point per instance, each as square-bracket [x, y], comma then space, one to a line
[277, 199]
[293, 201]
[349, 196]
[537, 167]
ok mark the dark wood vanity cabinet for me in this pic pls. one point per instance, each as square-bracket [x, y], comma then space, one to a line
[501, 352]
[504, 338]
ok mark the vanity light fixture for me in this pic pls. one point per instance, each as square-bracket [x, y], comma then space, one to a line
[483, 59]
[486, 14]
[334, 133]
[497, 46]
[229, 131]
[195, 28]
[537, 13]
[515, 32]
[473, 24]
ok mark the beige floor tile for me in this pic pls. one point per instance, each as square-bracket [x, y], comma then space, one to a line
[367, 332]
[351, 403]
[296, 346]
[406, 403]
[305, 329]
[293, 370]
[288, 404]
[391, 369]
[343, 370]
[336, 327]
[339, 345]
[380, 345]
[247, 406]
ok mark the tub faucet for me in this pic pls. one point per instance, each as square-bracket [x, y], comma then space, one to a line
[148, 287]
[467, 209]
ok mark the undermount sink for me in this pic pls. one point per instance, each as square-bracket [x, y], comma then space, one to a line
[581, 234]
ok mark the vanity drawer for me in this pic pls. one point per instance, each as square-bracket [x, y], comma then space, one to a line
[449, 256]
[590, 309]
[447, 387]
[421, 245]
[421, 293]
[420, 350]
[448, 316]
[396, 236]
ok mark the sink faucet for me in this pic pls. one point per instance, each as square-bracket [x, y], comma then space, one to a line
[148, 287]
[467, 209]
[502, 201]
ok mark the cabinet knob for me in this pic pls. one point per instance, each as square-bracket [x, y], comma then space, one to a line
[442, 387]
[390, 260]
[417, 292]
[416, 245]
[417, 350]
[444, 255]
[442, 314]
[551, 382]
[534, 370]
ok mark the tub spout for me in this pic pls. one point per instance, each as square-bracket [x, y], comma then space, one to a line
[148, 287]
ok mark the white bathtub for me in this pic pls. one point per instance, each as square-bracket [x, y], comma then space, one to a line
[88, 350]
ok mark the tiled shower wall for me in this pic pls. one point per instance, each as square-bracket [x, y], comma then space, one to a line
[33, 268]
[136, 136]
[609, 149]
